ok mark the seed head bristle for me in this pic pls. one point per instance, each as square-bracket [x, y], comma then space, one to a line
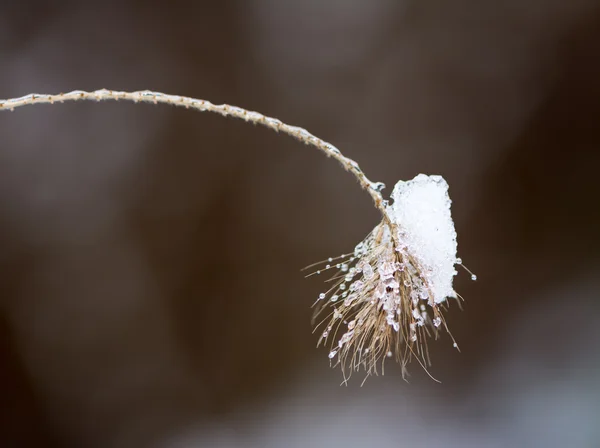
[387, 297]
[380, 305]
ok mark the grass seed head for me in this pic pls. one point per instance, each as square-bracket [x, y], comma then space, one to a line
[386, 297]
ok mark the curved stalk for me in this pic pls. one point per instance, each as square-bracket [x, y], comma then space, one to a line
[148, 96]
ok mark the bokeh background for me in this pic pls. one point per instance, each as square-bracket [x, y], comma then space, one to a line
[151, 293]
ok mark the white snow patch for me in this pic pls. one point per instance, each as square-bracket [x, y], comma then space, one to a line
[421, 209]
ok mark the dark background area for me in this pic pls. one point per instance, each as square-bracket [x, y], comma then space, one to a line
[151, 292]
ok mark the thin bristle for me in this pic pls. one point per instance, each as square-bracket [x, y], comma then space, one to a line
[381, 306]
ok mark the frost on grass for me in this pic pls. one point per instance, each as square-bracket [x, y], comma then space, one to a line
[421, 209]
[385, 299]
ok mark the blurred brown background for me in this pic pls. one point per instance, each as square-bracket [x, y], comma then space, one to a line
[150, 286]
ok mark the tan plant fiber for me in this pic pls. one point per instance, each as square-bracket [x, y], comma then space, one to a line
[380, 302]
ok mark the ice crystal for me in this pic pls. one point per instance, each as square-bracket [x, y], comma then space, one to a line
[398, 278]
[421, 210]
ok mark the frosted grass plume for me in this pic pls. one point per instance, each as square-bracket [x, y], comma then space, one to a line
[386, 297]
